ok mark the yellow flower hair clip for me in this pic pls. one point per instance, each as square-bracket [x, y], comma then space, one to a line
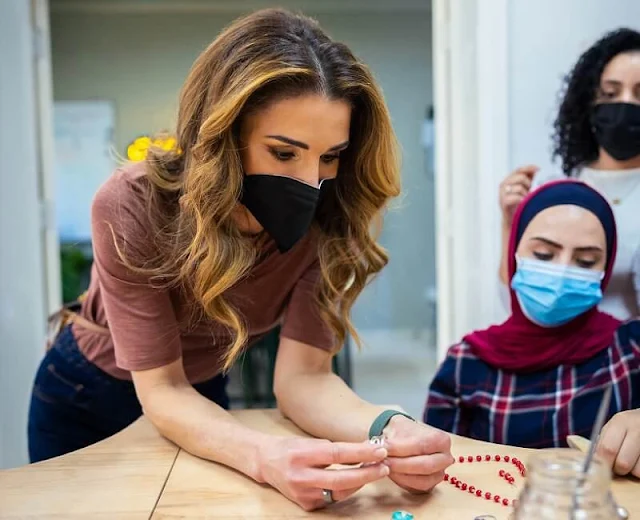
[138, 149]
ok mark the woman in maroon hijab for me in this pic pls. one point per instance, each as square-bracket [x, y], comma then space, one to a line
[540, 376]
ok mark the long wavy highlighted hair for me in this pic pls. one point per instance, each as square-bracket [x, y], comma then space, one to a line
[265, 57]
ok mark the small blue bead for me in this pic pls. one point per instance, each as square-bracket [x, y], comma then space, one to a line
[401, 515]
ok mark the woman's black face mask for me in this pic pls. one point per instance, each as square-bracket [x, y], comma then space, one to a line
[284, 207]
[617, 129]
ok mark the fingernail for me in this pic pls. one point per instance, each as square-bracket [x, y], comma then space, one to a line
[380, 452]
[384, 470]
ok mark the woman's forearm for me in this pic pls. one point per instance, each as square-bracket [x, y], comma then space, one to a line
[324, 406]
[204, 429]
[504, 267]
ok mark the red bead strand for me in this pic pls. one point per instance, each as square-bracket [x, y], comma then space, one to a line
[464, 486]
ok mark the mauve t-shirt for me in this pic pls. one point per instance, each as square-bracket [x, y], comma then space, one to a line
[150, 327]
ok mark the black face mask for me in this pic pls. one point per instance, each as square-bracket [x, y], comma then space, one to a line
[285, 207]
[617, 129]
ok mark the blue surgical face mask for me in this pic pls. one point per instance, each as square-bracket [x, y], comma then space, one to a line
[551, 295]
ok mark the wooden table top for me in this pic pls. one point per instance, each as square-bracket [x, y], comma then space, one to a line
[121, 477]
[138, 474]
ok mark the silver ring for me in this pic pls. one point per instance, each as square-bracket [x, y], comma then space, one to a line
[377, 440]
[327, 495]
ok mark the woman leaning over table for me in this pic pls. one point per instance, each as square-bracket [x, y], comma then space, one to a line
[261, 216]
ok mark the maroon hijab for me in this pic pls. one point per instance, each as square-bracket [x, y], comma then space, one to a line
[521, 346]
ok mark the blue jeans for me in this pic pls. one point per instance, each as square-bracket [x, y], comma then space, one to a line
[75, 404]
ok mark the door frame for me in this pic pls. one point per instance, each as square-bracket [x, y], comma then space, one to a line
[46, 155]
[471, 85]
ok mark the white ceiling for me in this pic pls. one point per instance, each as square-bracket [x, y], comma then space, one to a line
[236, 6]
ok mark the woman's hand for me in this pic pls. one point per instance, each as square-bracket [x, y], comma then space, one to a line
[297, 468]
[619, 443]
[513, 189]
[418, 454]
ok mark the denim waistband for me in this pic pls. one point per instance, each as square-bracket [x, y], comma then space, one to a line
[67, 347]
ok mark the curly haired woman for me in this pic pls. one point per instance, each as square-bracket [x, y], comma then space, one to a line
[261, 216]
[597, 138]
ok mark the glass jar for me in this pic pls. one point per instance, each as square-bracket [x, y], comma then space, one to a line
[555, 490]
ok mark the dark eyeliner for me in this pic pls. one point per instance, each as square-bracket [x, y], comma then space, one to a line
[545, 257]
[327, 159]
[281, 156]
[586, 264]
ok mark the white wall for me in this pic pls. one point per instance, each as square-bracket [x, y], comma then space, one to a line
[515, 54]
[142, 68]
[22, 281]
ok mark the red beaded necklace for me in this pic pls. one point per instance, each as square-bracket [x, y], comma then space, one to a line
[463, 486]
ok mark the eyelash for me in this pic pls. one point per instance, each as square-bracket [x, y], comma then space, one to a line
[328, 159]
[547, 257]
[287, 156]
[587, 264]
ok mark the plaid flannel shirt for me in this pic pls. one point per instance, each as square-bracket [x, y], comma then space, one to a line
[536, 410]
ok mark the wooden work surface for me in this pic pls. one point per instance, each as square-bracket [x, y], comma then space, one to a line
[137, 474]
[119, 478]
[197, 489]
